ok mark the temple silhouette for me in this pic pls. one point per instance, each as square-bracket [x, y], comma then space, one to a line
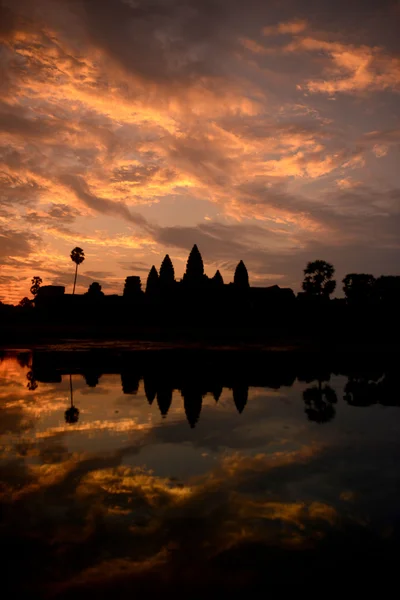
[163, 291]
[202, 307]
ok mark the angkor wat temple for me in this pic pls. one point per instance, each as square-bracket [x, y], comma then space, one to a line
[163, 291]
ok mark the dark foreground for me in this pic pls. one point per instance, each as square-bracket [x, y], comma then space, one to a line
[191, 472]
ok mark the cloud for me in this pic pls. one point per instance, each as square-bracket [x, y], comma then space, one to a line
[166, 115]
[350, 69]
[133, 267]
[7, 22]
[18, 190]
[291, 27]
[15, 243]
[102, 205]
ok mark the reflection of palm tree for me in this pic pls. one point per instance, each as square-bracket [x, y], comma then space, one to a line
[32, 383]
[72, 413]
[319, 401]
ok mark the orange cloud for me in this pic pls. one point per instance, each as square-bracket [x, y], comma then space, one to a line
[352, 68]
[290, 27]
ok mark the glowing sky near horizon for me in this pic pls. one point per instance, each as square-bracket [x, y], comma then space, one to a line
[262, 131]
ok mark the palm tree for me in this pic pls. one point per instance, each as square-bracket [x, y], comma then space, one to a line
[77, 256]
[318, 278]
[36, 283]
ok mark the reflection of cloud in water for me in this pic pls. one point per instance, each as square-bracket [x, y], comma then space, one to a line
[121, 425]
[126, 494]
[153, 525]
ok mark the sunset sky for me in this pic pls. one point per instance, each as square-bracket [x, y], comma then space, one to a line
[267, 131]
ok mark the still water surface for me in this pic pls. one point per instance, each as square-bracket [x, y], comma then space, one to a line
[112, 484]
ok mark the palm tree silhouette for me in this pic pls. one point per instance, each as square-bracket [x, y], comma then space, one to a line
[77, 256]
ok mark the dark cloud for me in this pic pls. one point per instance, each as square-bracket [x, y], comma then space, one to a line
[173, 41]
[62, 212]
[137, 265]
[18, 190]
[140, 175]
[216, 240]
[57, 216]
[359, 21]
[168, 40]
[14, 120]
[8, 21]
[15, 244]
[99, 274]
[102, 205]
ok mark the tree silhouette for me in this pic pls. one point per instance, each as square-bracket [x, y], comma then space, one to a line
[319, 403]
[360, 391]
[217, 279]
[194, 266]
[36, 283]
[388, 288]
[167, 273]
[72, 413]
[241, 277]
[318, 278]
[94, 290]
[152, 284]
[25, 303]
[77, 256]
[359, 287]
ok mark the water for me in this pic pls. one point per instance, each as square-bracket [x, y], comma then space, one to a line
[193, 479]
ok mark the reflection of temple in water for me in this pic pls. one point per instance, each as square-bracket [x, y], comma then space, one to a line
[164, 399]
[195, 374]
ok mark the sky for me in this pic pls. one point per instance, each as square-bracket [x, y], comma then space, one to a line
[267, 132]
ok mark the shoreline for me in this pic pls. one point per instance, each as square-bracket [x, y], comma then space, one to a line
[203, 345]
